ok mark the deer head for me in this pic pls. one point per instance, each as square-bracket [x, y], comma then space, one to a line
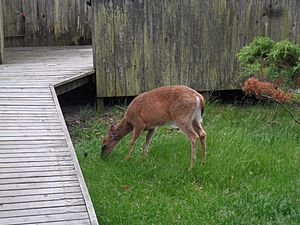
[109, 142]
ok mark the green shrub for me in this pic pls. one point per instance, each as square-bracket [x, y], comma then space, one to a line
[269, 60]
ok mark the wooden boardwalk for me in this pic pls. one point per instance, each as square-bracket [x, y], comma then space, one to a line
[40, 178]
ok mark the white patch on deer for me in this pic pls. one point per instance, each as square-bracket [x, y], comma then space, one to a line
[197, 113]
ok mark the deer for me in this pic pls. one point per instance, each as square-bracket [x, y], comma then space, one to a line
[169, 105]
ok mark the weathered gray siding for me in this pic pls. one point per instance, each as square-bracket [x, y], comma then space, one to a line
[1, 34]
[143, 44]
[46, 22]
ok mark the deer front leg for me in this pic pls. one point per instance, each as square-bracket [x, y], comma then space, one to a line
[136, 133]
[149, 136]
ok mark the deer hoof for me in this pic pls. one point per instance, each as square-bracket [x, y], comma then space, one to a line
[127, 157]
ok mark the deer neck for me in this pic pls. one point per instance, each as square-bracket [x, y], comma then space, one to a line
[122, 130]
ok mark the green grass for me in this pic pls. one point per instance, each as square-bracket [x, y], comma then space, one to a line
[252, 175]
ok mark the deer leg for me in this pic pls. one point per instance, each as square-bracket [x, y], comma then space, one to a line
[135, 134]
[202, 135]
[193, 136]
[149, 136]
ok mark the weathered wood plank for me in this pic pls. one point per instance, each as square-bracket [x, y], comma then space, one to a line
[1, 34]
[42, 204]
[36, 174]
[36, 169]
[35, 146]
[42, 191]
[105, 70]
[34, 154]
[21, 133]
[36, 164]
[33, 159]
[40, 197]
[38, 179]
[45, 218]
[32, 138]
[69, 222]
[44, 185]
[42, 211]
[33, 149]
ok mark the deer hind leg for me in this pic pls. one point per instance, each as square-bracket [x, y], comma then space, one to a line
[202, 135]
[193, 136]
[149, 136]
[135, 134]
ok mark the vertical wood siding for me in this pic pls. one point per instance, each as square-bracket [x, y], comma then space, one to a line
[143, 44]
[46, 22]
[1, 34]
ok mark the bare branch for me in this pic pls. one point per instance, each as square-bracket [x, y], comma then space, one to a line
[286, 108]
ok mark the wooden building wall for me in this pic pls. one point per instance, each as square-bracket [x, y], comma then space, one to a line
[47, 22]
[143, 44]
[1, 34]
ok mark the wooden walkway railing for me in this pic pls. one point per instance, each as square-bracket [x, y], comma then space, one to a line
[40, 178]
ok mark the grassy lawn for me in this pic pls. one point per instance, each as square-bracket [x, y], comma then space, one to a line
[252, 175]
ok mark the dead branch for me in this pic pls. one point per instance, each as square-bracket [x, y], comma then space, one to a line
[286, 108]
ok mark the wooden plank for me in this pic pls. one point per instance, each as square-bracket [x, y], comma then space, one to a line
[35, 149]
[27, 108]
[20, 133]
[103, 20]
[39, 179]
[40, 197]
[32, 138]
[27, 143]
[28, 113]
[28, 117]
[25, 103]
[42, 204]
[36, 169]
[41, 191]
[1, 34]
[69, 222]
[36, 164]
[42, 211]
[35, 146]
[34, 154]
[45, 218]
[21, 175]
[44, 185]
[24, 95]
[35, 128]
[33, 159]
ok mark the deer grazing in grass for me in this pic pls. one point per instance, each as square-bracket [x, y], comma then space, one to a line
[179, 105]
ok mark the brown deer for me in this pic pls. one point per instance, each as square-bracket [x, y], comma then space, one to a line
[178, 105]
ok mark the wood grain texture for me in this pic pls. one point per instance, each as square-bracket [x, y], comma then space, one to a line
[46, 22]
[141, 45]
[40, 178]
[1, 34]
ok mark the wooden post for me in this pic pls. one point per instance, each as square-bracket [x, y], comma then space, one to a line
[100, 105]
[1, 34]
